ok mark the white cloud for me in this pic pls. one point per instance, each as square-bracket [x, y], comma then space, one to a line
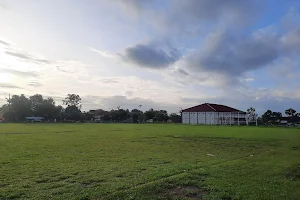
[103, 53]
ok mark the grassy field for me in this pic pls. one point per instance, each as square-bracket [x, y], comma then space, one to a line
[124, 161]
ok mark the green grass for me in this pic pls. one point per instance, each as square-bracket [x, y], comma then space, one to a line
[123, 161]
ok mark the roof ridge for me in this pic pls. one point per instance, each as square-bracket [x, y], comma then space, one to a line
[211, 106]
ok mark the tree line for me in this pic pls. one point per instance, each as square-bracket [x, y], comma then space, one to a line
[271, 117]
[18, 107]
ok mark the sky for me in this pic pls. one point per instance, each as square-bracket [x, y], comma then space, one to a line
[161, 54]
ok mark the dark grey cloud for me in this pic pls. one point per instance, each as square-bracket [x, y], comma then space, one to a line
[25, 56]
[183, 72]
[195, 10]
[151, 56]
[234, 55]
[192, 16]
[20, 73]
[9, 86]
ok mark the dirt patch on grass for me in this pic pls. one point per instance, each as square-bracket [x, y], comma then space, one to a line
[186, 192]
[293, 173]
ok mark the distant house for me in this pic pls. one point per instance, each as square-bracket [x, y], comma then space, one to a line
[213, 114]
[98, 114]
[289, 120]
[34, 119]
[149, 121]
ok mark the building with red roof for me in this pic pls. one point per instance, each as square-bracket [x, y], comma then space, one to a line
[213, 114]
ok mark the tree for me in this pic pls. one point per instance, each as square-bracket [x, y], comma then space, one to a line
[150, 114]
[4, 111]
[141, 118]
[161, 116]
[19, 107]
[275, 117]
[43, 107]
[135, 115]
[59, 113]
[267, 116]
[73, 100]
[123, 114]
[72, 112]
[106, 117]
[290, 112]
[175, 118]
[251, 114]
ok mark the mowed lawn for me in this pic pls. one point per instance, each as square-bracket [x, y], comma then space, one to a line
[148, 161]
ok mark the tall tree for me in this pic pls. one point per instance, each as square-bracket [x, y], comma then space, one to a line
[150, 114]
[135, 115]
[161, 116]
[267, 116]
[290, 112]
[19, 107]
[276, 116]
[251, 114]
[72, 100]
[43, 107]
[73, 113]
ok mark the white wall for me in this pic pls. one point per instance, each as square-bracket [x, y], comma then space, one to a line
[210, 118]
[201, 118]
[185, 117]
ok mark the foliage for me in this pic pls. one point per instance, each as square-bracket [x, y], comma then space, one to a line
[267, 116]
[290, 112]
[73, 113]
[19, 107]
[251, 114]
[175, 118]
[73, 100]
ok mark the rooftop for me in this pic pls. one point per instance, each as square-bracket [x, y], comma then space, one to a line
[211, 107]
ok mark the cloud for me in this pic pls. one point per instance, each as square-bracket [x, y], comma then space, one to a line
[112, 102]
[3, 6]
[4, 43]
[183, 72]
[27, 57]
[20, 73]
[233, 55]
[151, 55]
[35, 84]
[129, 93]
[103, 53]
[9, 86]
[71, 67]
[195, 10]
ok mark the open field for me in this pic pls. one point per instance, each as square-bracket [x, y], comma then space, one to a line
[125, 161]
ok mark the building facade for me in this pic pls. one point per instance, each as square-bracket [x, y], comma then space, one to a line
[213, 114]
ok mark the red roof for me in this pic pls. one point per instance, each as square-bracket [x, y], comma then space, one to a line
[210, 107]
